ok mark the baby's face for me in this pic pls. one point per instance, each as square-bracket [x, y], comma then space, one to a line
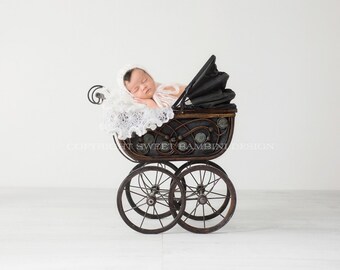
[141, 85]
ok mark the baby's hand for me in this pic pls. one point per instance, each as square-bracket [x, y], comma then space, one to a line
[147, 101]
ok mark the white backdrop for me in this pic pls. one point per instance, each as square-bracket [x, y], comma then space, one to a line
[282, 58]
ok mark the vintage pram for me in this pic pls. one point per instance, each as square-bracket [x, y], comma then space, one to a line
[198, 195]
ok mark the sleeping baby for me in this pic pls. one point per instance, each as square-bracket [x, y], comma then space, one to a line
[142, 87]
[141, 104]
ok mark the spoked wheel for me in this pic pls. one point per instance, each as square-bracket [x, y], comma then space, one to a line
[210, 199]
[191, 189]
[154, 190]
[161, 164]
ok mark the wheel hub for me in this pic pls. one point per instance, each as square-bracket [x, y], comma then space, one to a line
[200, 189]
[155, 189]
[202, 199]
[151, 200]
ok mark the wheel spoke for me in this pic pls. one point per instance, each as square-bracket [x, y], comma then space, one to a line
[192, 211]
[197, 204]
[156, 177]
[164, 190]
[132, 186]
[160, 221]
[136, 206]
[203, 176]
[192, 194]
[191, 199]
[194, 179]
[189, 186]
[162, 204]
[214, 210]
[216, 193]
[160, 178]
[164, 180]
[219, 198]
[203, 216]
[137, 194]
[140, 178]
[144, 216]
[147, 178]
[209, 178]
[193, 191]
[164, 199]
[164, 194]
[215, 183]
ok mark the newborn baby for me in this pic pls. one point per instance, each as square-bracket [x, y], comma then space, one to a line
[145, 90]
[142, 104]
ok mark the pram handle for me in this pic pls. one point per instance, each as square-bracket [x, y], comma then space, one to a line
[93, 93]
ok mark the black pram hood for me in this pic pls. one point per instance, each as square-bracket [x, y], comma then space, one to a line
[207, 89]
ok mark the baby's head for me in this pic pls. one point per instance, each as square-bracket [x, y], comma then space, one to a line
[139, 83]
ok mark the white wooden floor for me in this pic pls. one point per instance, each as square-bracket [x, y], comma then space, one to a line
[81, 229]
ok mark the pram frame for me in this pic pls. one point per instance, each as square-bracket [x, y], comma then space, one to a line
[125, 145]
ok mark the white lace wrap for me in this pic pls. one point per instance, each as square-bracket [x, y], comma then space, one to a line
[123, 116]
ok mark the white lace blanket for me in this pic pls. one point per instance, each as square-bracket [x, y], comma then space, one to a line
[123, 116]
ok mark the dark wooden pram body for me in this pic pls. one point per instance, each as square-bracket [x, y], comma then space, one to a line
[198, 195]
[199, 134]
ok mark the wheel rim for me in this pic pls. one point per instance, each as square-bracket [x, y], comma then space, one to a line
[210, 199]
[155, 195]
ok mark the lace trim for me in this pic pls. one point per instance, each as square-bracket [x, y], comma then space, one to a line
[123, 117]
